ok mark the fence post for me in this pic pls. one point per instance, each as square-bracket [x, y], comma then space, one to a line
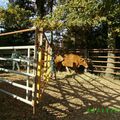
[28, 71]
[39, 63]
[38, 58]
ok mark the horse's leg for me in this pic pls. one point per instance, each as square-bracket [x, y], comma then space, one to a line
[85, 70]
[68, 70]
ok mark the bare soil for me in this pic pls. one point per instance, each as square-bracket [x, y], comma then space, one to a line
[71, 97]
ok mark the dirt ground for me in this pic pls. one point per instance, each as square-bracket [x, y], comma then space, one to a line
[71, 97]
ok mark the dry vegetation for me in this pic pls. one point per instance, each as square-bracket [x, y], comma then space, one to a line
[67, 98]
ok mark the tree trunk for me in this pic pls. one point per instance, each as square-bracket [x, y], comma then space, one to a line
[110, 64]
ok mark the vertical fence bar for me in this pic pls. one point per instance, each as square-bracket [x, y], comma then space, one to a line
[28, 71]
[48, 72]
[45, 61]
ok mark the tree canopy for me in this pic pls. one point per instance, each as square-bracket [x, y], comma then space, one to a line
[85, 14]
[84, 17]
[15, 18]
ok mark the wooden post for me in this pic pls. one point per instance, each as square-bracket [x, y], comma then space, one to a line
[39, 67]
[38, 58]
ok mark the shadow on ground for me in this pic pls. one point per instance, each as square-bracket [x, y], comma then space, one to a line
[70, 97]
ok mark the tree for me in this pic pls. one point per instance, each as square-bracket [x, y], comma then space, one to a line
[15, 18]
[27, 5]
[78, 17]
[111, 10]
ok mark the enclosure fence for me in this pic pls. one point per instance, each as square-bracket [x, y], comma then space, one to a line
[38, 70]
[99, 60]
[105, 60]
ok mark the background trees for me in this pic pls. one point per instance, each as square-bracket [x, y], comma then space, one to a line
[98, 18]
[89, 23]
[15, 17]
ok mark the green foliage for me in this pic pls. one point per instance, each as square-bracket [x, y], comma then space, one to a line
[27, 5]
[78, 16]
[85, 14]
[14, 18]
[77, 12]
[47, 23]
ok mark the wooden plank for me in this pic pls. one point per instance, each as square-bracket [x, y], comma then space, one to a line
[18, 31]
[105, 67]
[39, 43]
[18, 47]
[104, 56]
[103, 51]
[116, 73]
[94, 61]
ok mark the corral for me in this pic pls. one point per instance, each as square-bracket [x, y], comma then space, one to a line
[70, 96]
[83, 83]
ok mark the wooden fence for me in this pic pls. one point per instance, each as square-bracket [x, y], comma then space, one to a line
[99, 59]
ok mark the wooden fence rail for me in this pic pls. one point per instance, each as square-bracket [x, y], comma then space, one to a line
[99, 60]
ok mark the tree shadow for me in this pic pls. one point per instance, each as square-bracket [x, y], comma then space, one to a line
[70, 97]
[75, 95]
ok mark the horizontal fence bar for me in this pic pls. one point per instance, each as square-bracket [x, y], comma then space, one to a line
[103, 49]
[104, 57]
[18, 60]
[19, 47]
[106, 67]
[18, 31]
[94, 61]
[116, 73]
[20, 73]
[17, 97]
[16, 84]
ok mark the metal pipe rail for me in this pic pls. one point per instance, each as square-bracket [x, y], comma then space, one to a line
[27, 87]
[17, 97]
[16, 84]
[18, 60]
[18, 31]
[20, 73]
